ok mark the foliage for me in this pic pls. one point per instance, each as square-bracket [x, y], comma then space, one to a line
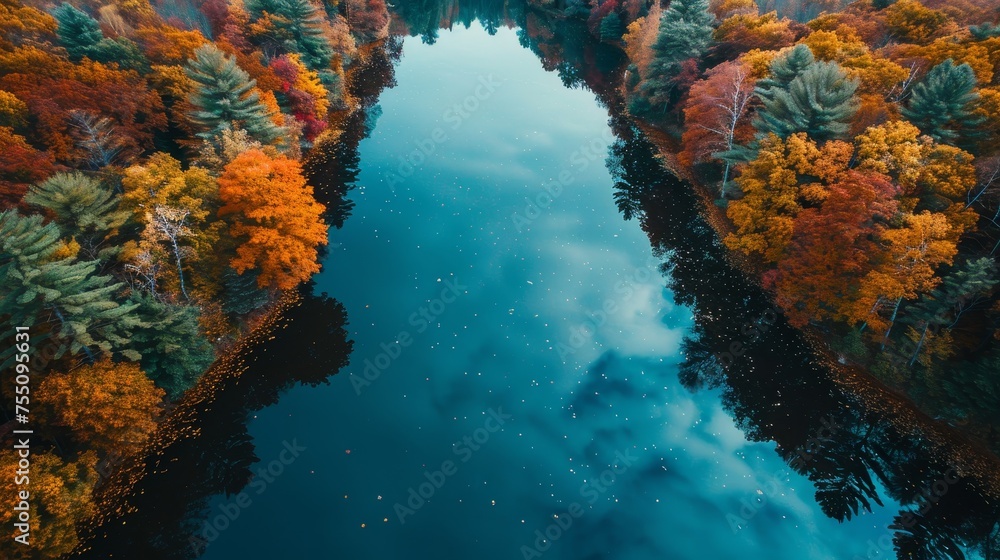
[109, 406]
[910, 21]
[225, 98]
[20, 165]
[174, 352]
[818, 101]
[294, 26]
[83, 208]
[717, 117]
[64, 294]
[272, 212]
[685, 33]
[943, 103]
[784, 175]
[61, 497]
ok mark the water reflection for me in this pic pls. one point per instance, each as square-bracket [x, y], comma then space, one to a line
[724, 434]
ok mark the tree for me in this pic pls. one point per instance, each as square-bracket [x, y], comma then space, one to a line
[785, 175]
[225, 98]
[685, 32]
[174, 352]
[905, 268]
[102, 142]
[63, 294]
[82, 37]
[641, 37]
[831, 248]
[715, 118]
[78, 32]
[943, 103]
[83, 208]
[611, 28]
[965, 288]
[108, 406]
[784, 69]
[820, 101]
[241, 293]
[20, 165]
[911, 22]
[369, 19]
[745, 31]
[177, 208]
[294, 25]
[273, 212]
[302, 94]
[53, 88]
[61, 494]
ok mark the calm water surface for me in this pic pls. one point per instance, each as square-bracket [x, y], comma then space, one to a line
[466, 305]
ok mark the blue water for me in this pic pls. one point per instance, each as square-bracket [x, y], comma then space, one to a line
[473, 306]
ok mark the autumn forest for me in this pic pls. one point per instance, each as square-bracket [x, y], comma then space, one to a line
[165, 192]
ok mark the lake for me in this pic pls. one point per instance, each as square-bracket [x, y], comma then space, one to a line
[551, 358]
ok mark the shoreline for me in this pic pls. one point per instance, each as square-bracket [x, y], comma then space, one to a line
[972, 456]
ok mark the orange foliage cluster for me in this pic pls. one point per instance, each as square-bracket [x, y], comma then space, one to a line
[849, 228]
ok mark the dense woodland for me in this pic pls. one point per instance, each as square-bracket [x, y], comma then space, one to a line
[856, 155]
[154, 200]
[153, 203]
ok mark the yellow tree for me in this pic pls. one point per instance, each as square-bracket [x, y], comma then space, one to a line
[785, 174]
[109, 406]
[905, 269]
[930, 174]
[177, 208]
[60, 497]
[274, 218]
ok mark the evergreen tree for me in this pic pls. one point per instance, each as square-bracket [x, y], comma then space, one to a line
[241, 294]
[82, 207]
[38, 288]
[78, 32]
[819, 101]
[611, 27]
[984, 31]
[122, 51]
[943, 103]
[224, 98]
[937, 313]
[685, 32]
[298, 25]
[81, 35]
[972, 388]
[784, 69]
[174, 352]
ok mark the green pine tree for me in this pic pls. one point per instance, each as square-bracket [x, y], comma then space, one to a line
[83, 208]
[122, 51]
[942, 104]
[937, 312]
[174, 352]
[685, 32]
[81, 35]
[63, 296]
[819, 101]
[298, 25]
[611, 27]
[224, 98]
[78, 32]
[984, 31]
[241, 293]
[969, 389]
[784, 69]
